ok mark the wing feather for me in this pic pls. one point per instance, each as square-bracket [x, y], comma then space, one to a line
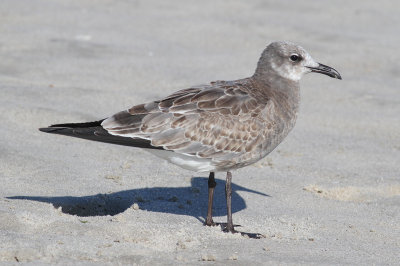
[201, 121]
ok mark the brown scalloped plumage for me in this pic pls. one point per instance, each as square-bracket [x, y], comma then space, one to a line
[231, 123]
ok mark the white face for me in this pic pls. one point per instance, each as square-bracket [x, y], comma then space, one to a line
[292, 61]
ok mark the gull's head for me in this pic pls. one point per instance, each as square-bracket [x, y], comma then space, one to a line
[290, 61]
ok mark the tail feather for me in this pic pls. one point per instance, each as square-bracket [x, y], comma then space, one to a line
[94, 131]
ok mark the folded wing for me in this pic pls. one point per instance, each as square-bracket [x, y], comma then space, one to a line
[201, 121]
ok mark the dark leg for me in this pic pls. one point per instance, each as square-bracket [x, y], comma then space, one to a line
[211, 186]
[228, 193]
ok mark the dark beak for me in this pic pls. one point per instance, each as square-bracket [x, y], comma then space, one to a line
[323, 69]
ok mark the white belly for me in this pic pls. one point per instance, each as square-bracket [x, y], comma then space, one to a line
[188, 162]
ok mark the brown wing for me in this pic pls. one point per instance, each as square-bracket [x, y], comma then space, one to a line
[218, 120]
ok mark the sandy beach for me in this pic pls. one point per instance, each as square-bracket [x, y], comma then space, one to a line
[328, 195]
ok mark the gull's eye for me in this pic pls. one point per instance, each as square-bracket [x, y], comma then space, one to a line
[295, 58]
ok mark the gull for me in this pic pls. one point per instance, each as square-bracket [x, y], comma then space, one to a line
[217, 127]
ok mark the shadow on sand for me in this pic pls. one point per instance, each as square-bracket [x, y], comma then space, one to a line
[191, 200]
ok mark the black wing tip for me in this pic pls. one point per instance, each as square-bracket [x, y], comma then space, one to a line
[57, 127]
[98, 134]
[80, 125]
[48, 129]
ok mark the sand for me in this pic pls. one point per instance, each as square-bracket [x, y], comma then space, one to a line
[329, 194]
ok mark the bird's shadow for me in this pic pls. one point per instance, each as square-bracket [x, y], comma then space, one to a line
[191, 200]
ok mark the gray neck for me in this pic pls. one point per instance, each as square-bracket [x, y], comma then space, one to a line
[276, 84]
[284, 92]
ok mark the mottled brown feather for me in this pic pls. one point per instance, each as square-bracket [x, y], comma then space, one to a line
[224, 121]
